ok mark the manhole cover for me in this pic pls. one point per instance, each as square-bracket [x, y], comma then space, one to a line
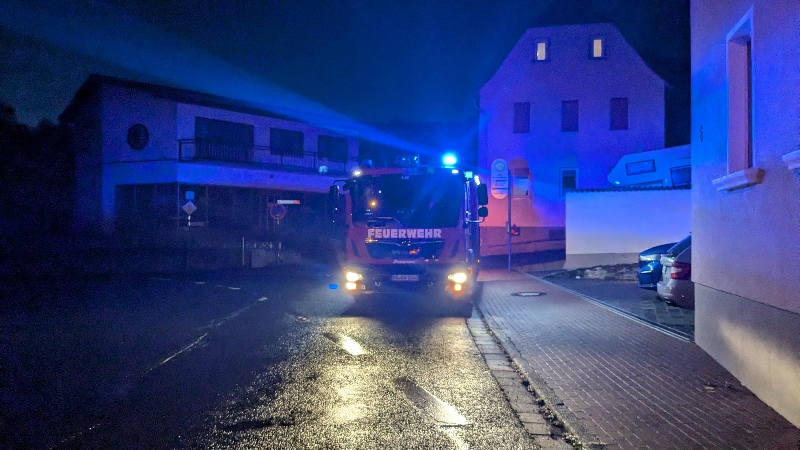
[528, 294]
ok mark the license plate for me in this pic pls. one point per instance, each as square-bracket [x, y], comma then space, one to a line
[405, 277]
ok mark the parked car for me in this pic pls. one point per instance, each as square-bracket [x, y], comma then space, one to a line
[649, 272]
[676, 284]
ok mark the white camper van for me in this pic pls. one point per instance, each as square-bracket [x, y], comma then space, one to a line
[668, 167]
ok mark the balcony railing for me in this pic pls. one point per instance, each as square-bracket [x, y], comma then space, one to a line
[258, 157]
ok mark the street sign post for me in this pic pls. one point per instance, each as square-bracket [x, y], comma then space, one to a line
[499, 181]
[189, 208]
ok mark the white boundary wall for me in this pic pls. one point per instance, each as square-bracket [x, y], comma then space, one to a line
[612, 227]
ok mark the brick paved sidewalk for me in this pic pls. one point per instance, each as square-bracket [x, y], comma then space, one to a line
[620, 384]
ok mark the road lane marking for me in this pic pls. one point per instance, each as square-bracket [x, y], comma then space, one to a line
[444, 414]
[179, 352]
[346, 343]
[453, 434]
[297, 317]
[217, 322]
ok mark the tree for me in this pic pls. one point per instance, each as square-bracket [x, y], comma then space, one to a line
[37, 169]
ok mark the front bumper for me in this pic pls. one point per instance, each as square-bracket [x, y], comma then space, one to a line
[395, 279]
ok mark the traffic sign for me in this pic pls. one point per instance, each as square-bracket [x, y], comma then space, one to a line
[189, 207]
[277, 211]
[499, 182]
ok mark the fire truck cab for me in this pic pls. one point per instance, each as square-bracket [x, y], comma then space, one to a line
[409, 229]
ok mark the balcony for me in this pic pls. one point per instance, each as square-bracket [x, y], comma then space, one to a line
[258, 157]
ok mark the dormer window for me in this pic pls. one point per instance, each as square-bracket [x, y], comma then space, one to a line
[598, 48]
[541, 51]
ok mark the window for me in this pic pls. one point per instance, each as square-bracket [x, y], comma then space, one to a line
[681, 176]
[285, 142]
[569, 181]
[740, 99]
[640, 167]
[522, 117]
[223, 141]
[332, 148]
[741, 165]
[598, 51]
[569, 115]
[222, 132]
[619, 113]
[147, 205]
[541, 51]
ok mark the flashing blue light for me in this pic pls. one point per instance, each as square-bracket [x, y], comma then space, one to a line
[449, 159]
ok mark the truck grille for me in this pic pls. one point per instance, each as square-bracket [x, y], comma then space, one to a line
[405, 249]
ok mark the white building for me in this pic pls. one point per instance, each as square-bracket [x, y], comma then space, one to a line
[144, 151]
[746, 193]
[564, 106]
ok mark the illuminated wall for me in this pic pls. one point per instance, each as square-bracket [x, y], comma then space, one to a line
[556, 104]
[746, 191]
[136, 133]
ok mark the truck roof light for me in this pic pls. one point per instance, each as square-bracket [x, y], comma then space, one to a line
[406, 161]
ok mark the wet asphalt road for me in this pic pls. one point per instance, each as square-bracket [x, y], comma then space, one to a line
[269, 359]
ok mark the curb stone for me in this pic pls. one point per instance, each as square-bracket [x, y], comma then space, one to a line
[572, 424]
[541, 428]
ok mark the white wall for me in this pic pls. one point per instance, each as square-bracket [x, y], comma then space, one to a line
[123, 108]
[167, 121]
[751, 233]
[746, 257]
[613, 227]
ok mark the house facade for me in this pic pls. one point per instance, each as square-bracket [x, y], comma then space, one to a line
[145, 151]
[746, 193]
[564, 106]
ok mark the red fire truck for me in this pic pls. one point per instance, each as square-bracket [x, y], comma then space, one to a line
[410, 229]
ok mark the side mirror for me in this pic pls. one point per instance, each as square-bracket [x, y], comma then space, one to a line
[483, 211]
[483, 195]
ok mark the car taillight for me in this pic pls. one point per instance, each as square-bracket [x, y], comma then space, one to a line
[681, 271]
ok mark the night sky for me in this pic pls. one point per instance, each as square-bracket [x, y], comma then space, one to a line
[371, 60]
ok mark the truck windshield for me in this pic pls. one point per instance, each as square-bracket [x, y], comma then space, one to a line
[417, 201]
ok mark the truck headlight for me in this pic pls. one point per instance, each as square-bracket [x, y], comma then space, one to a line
[458, 277]
[353, 276]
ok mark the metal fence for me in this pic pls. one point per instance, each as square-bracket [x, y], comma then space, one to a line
[258, 156]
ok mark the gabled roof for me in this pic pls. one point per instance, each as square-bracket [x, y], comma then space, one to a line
[531, 35]
[95, 82]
